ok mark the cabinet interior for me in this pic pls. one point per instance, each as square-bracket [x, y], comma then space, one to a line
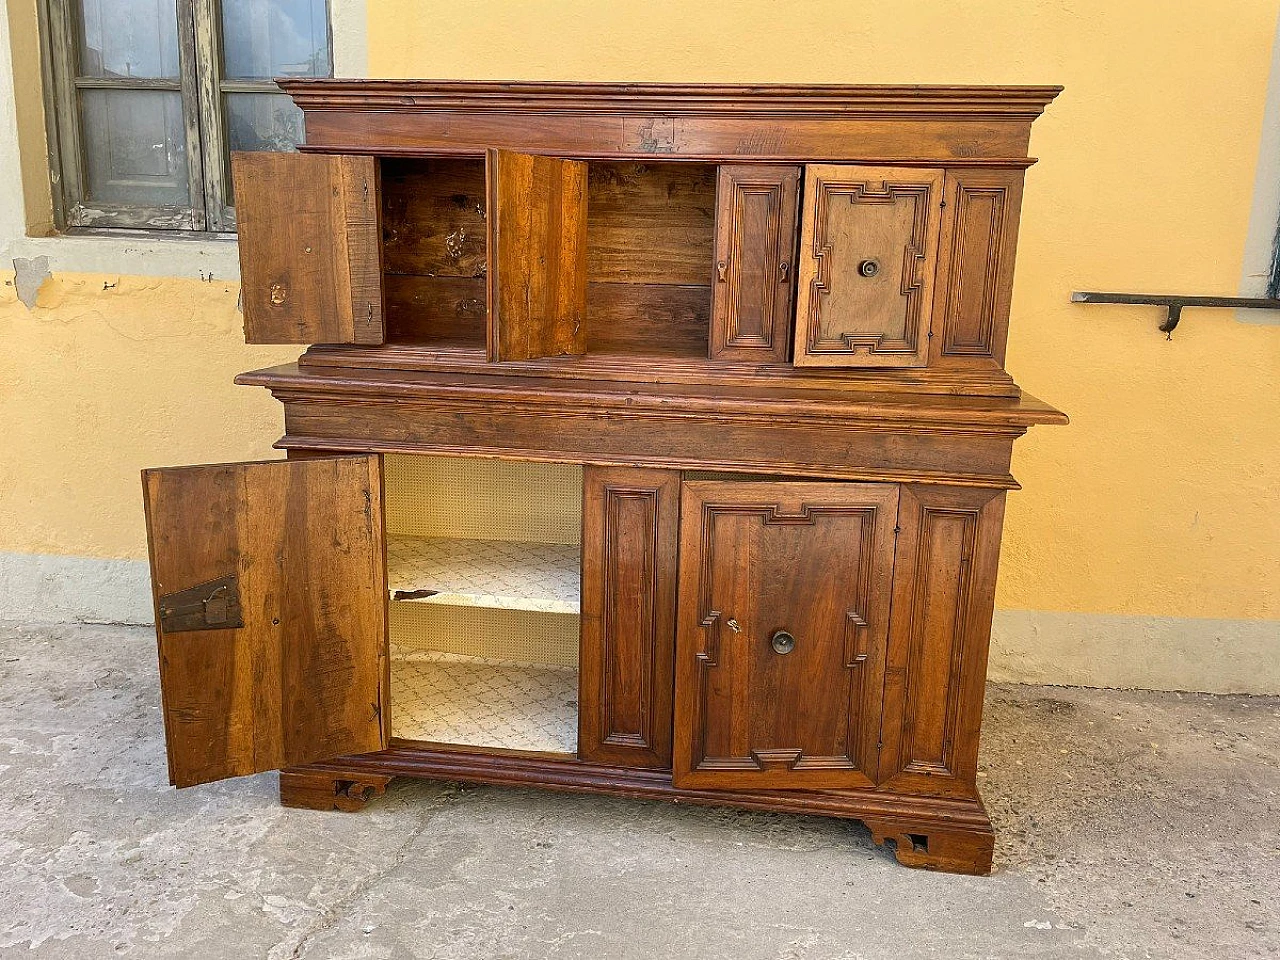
[484, 569]
[434, 250]
[649, 260]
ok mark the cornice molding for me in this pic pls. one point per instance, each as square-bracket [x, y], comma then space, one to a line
[738, 100]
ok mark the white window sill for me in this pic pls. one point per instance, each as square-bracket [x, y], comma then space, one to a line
[202, 258]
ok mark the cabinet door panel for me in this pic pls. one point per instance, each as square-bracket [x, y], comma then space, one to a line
[630, 527]
[310, 247]
[944, 593]
[537, 276]
[868, 250]
[975, 267]
[812, 560]
[270, 589]
[755, 250]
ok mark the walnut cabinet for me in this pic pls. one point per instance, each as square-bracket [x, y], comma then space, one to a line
[650, 440]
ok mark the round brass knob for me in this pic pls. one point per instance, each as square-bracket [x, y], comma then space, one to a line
[869, 268]
[783, 642]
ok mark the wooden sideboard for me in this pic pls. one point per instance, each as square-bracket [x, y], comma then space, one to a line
[650, 440]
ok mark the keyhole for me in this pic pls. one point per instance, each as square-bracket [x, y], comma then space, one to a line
[278, 293]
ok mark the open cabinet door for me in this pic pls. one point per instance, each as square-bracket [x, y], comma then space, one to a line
[270, 594]
[310, 247]
[537, 214]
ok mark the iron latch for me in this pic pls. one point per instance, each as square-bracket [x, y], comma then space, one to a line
[208, 606]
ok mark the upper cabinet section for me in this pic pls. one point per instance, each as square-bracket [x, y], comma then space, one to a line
[310, 250]
[868, 253]
[842, 235]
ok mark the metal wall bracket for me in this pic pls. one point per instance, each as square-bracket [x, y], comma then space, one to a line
[207, 606]
[1174, 303]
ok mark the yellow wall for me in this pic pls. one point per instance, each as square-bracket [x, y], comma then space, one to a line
[105, 376]
[1161, 499]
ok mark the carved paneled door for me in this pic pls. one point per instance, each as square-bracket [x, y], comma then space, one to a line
[944, 594]
[868, 255]
[630, 530]
[754, 267]
[782, 624]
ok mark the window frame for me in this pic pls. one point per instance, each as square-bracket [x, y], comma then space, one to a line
[1273, 277]
[201, 85]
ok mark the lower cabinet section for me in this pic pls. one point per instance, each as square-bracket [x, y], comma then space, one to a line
[781, 644]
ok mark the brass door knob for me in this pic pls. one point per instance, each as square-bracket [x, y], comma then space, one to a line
[783, 642]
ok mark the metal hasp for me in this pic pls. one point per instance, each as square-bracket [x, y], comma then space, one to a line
[214, 605]
[1174, 304]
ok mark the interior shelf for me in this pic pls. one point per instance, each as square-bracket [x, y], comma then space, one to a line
[502, 574]
[445, 698]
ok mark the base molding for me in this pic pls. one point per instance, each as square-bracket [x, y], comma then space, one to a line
[933, 833]
[1206, 655]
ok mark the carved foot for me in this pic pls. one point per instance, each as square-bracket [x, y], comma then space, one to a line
[319, 790]
[930, 848]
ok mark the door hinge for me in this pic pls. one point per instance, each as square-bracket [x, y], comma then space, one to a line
[214, 605]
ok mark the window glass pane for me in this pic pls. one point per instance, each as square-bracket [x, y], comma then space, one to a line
[134, 147]
[260, 121]
[128, 38]
[262, 39]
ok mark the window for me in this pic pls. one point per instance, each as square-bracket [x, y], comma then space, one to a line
[150, 97]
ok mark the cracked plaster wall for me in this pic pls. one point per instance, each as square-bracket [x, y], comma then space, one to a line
[106, 375]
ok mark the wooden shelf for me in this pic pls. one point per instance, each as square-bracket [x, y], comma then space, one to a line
[442, 698]
[501, 574]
